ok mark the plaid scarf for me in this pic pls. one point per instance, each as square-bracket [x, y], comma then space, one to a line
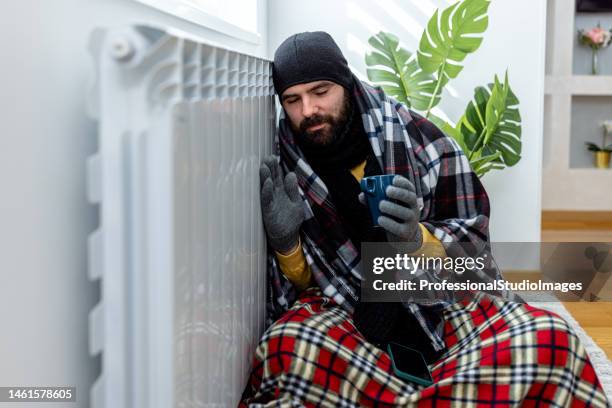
[455, 206]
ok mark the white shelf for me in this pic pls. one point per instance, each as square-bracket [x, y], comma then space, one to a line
[563, 186]
[578, 85]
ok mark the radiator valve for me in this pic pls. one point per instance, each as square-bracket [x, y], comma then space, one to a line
[122, 49]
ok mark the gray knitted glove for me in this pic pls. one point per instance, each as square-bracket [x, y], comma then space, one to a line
[281, 205]
[405, 210]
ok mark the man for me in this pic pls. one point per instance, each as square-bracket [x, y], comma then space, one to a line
[324, 134]
[323, 343]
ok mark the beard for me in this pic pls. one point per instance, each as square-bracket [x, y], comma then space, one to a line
[332, 126]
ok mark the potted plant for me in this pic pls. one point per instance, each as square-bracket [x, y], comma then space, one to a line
[602, 153]
[596, 38]
[489, 132]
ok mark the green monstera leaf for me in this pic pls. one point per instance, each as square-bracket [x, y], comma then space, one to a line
[490, 129]
[483, 164]
[397, 71]
[448, 38]
[480, 164]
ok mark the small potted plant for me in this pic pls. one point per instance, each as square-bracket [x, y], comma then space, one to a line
[602, 153]
[596, 38]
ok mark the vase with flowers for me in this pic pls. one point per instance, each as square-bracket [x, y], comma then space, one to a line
[596, 38]
[602, 153]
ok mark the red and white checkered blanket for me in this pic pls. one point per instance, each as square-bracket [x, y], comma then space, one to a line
[500, 353]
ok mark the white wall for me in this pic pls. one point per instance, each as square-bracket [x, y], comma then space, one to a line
[515, 192]
[46, 136]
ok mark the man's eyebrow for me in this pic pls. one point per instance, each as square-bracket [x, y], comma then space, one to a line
[287, 96]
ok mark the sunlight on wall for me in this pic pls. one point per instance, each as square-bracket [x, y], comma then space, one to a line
[452, 91]
[401, 15]
[243, 13]
[356, 44]
[425, 6]
[359, 15]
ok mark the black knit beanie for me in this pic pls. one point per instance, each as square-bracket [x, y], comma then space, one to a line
[307, 57]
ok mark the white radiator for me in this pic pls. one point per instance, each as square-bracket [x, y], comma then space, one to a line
[180, 250]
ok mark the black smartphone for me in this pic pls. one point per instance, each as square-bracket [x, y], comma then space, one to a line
[409, 364]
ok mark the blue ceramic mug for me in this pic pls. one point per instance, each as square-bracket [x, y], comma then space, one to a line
[374, 188]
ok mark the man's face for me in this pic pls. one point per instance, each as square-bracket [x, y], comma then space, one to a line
[316, 110]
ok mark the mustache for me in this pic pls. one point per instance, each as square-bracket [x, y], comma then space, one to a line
[314, 121]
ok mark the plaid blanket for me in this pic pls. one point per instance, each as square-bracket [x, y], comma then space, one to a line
[455, 206]
[500, 353]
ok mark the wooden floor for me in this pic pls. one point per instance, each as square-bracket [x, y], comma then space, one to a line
[594, 317]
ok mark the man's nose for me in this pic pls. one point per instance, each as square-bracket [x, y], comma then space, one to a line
[308, 108]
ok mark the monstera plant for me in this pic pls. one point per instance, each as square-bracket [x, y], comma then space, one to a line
[489, 132]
